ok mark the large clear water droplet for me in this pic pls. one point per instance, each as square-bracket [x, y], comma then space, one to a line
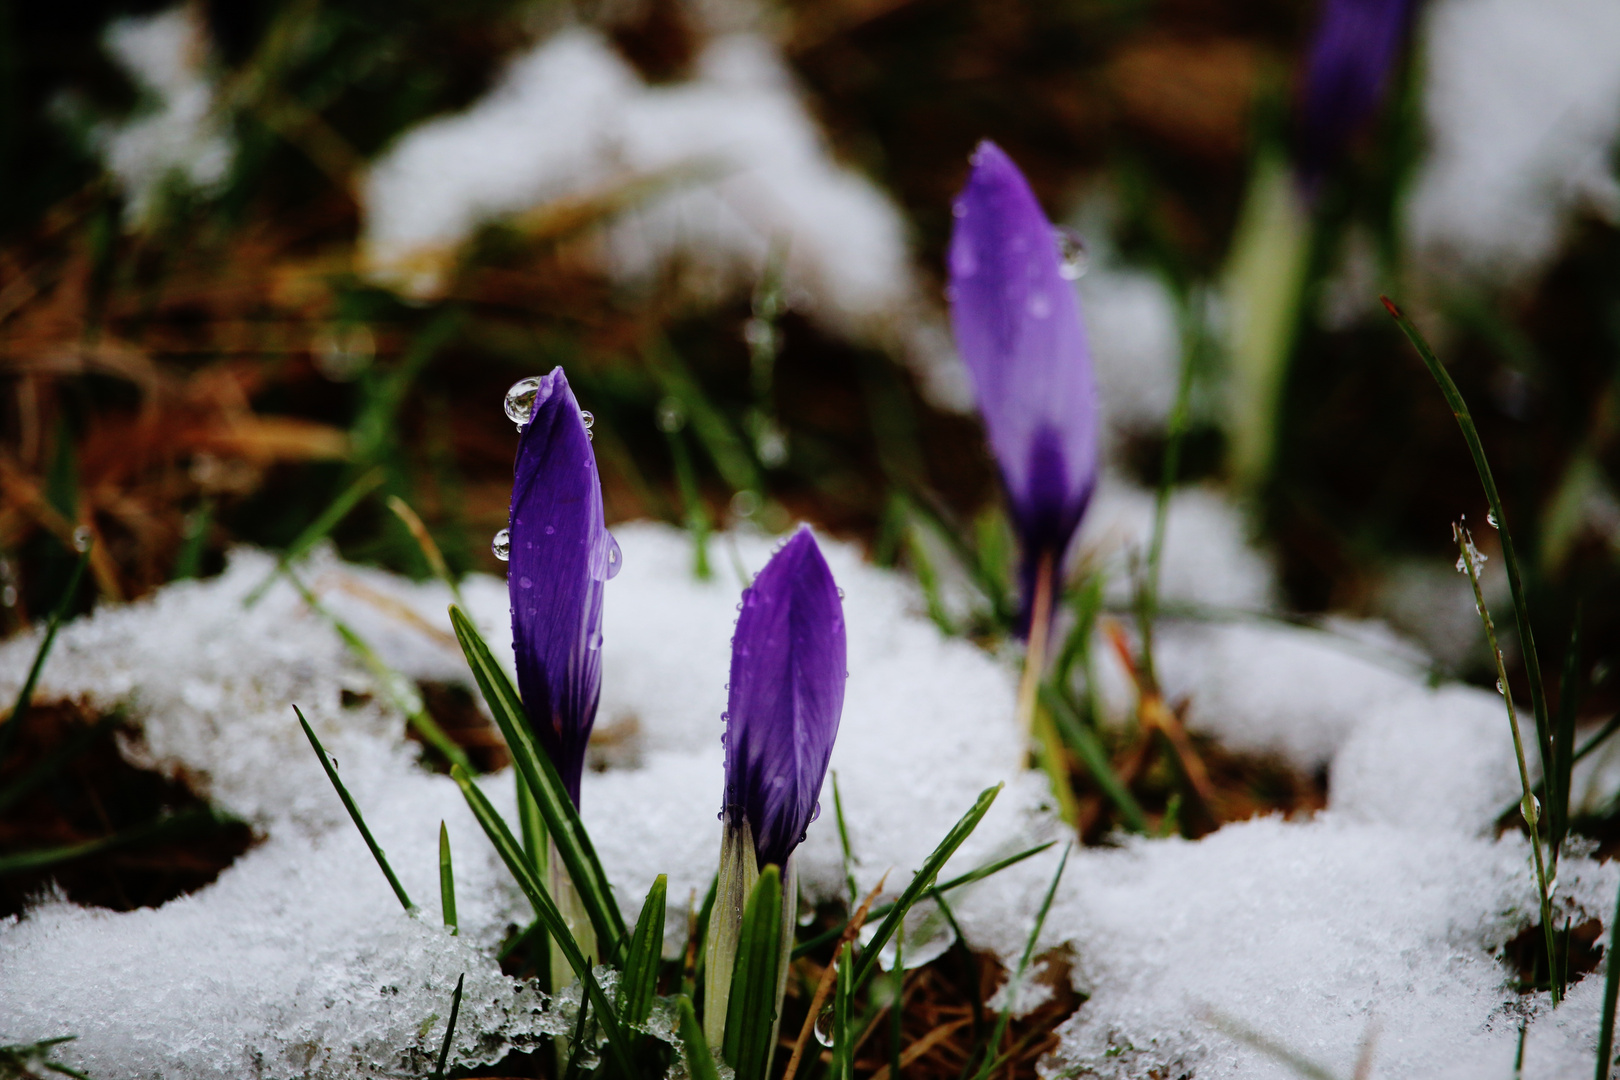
[588, 418]
[1490, 516]
[1073, 257]
[824, 1026]
[502, 545]
[615, 558]
[520, 400]
[81, 539]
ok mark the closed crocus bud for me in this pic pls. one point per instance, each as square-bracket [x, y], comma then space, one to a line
[1017, 324]
[1347, 65]
[561, 555]
[788, 667]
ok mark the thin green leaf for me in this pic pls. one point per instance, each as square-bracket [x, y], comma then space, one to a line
[923, 880]
[843, 1049]
[751, 1016]
[1611, 991]
[317, 530]
[188, 561]
[447, 882]
[546, 910]
[990, 1058]
[429, 548]
[450, 1027]
[566, 830]
[25, 696]
[1510, 560]
[699, 1060]
[171, 824]
[1089, 749]
[639, 983]
[843, 844]
[354, 813]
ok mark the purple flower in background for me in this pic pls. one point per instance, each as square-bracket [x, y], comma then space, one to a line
[1017, 325]
[788, 665]
[560, 557]
[1346, 67]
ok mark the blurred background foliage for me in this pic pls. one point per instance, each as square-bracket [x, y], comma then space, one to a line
[205, 364]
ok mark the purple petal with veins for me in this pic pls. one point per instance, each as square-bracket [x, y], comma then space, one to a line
[561, 557]
[1017, 324]
[788, 666]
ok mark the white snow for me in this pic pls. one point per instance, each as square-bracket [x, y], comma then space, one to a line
[738, 166]
[1388, 905]
[176, 136]
[1523, 106]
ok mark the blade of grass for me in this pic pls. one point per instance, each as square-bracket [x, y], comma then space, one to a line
[1294, 1060]
[698, 522]
[699, 1061]
[751, 1015]
[1498, 518]
[561, 817]
[180, 823]
[316, 530]
[990, 1058]
[813, 1016]
[639, 983]
[1611, 992]
[726, 447]
[843, 842]
[188, 561]
[1597, 739]
[354, 814]
[1468, 557]
[843, 1052]
[923, 880]
[935, 893]
[430, 549]
[1563, 759]
[450, 1026]
[1089, 749]
[447, 882]
[546, 910]
[25, 696]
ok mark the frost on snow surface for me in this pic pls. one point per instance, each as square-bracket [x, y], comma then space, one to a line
[1523, 107]
[730, 162]
[298, 962]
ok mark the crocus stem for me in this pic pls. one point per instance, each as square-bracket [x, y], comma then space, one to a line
[566, 897]
[1528, 807]
[1037, 727]
[739, 869]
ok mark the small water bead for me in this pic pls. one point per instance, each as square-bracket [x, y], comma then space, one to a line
[342, 352]
[840, 593]
[745, 504]
[824, 1026]
[1490, 518]
[615, 558]
[760, 334]
[670, 416]
[587, 418]
[502, 545]
[520, 400]
[1075, 260]
[81, 539]
[1499, 688]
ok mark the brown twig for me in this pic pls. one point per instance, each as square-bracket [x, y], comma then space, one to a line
[824, 987]
[1156, 715]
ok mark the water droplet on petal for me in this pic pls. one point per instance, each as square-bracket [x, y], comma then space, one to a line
[587, 418]
[81, 539]
[502, 545]
[615, 558]
[1074, 259]
[824, 1026]
[840, 593]
[520, 400]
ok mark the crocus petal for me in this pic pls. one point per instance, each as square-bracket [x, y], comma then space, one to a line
[561, 556]
[1346, 67]
[1018, 329]
[788, 665]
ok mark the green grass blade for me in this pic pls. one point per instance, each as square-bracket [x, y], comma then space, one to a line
[171, 824]
[639, 983]
[936, 893]
[843, 845]
[725, 445]
[25, 696]
[429, 547]
[354, 813]
[1089, 749]
[447, 882]
[696, 513]
[751, 1016]
[450, 1026]
[1563, 759]
[316, 530]
[990, 1059]
[843, 1049]
[923, 880]
[1293, 1059]
[699, 1061]
[566, 830]
[1611, 991]
[506, 846]
[188, 561]
[531, 826]
[1510, 560]
[1597, 739]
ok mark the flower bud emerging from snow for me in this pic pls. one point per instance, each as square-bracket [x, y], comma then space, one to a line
[1016, 318]
[560, 557]
[1346, 66]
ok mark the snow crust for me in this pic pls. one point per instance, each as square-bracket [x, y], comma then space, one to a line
[298, 961]
[738, 166]
[175, 137]
[1523, 106]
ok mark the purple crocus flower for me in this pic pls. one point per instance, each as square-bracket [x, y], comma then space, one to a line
[561, 555]
[1346, 67]
[788, 665]
[1017, 325]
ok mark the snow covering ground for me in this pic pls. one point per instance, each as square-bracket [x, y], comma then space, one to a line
[1381, 912]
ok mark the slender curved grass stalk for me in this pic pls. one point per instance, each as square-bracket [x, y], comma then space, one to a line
[354, 814]
[1611, 991]
[316, 530]
[1528, 807]
[447, 883]
[450, 1026]
[991, 1060]
[25, 696]
[430, 548]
